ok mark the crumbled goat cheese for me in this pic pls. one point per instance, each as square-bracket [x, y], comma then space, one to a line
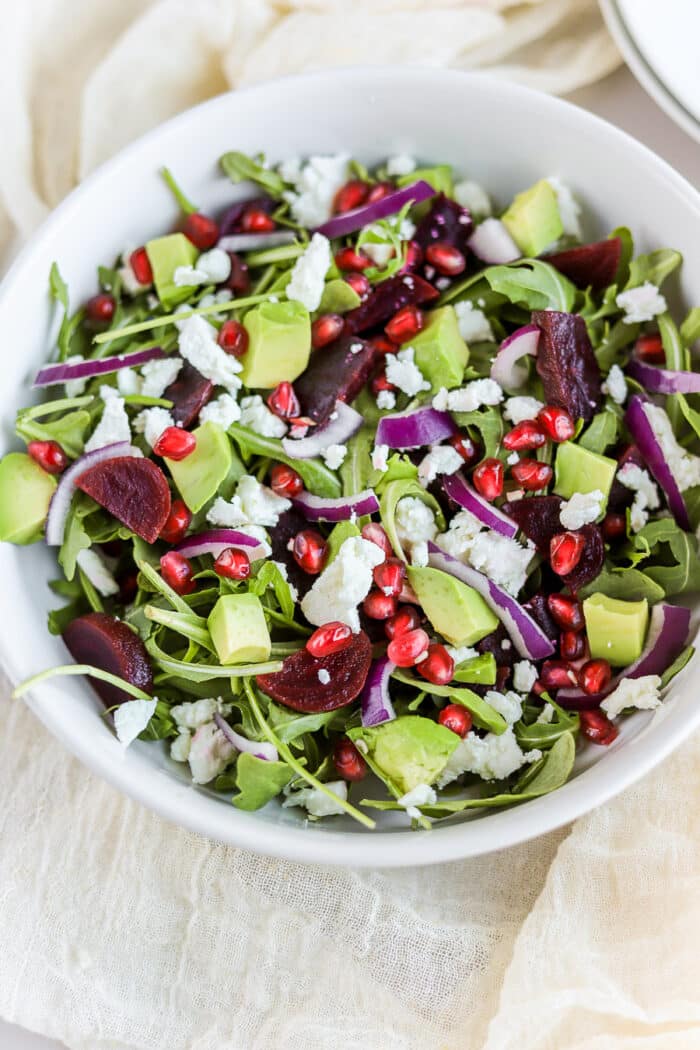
[198, 345]
[403, 372]
[491, 757]
[75, 387]
[308, 276]
[518, 409]
[315, 801]
[158, 375]
[501, 558]
[546, 715]
[386, 400]
[401, 164]
[128, 382]
[216, 264]
[641, 304]
[180, 747]
[442, 459]
[97, 572]
[210, 753]
[323, 676]
[474, 197]
[581, 509]
[378, 253]
[569, 208]
[315, 185]
[461, 653]
[462, 531]
[346, 582]
[474, 326]
[415, 523]
[509, 705]
[257, 417]
[380, 454]
[642, 693]
[215, 299]
[152, 422]
[132, 718]
[194, 713]
[524, 676]
[253, 504]
[646, 494]
[683, 465]
[470, 397]
[420, 795]
[419, 554]
[112, 427]
[223, 411]
[334, 455]
[616, 385]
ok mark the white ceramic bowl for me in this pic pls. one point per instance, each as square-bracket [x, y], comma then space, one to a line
[501, 135]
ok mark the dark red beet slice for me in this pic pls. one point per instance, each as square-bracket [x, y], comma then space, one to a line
[335, 373]
[591, 560]
[189, 394]
[593, 265]
[620, 496]
[539, 611]
[538, 518]
[446, 221]
[566, 363]
[297, 685]
[386, 299]
[107, 643]
[135, 491]
[289, 523]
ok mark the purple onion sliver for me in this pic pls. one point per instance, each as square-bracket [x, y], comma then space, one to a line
[214, 541]
[459, 490]
[61, 499]
[344, 422]
[375, 701]
[492, 243]
[648, 444]
[63, 373]
[421, 426]
[663, 380]
[344, 508]
[253, 242]
[353, 220]
[261, 749]
[505, 368]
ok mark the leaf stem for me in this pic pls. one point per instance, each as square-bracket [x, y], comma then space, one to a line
[162, 322]
[68, 670]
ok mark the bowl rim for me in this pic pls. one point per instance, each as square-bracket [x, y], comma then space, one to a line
[198, 812]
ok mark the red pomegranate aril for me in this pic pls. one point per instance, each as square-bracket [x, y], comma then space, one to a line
[255, 220]
[488, 478]
[348, 260]
[556, 423]
[175, 443]
[566, 612]
[379, 191]
[565, 550]
[525, 435]
[49, 455]
[201, 230]
[557, 674]
[177, 572]
[285, 481]
[445, 258]
[141, 265]
[594, 676]
[438, 666]
[330, 638]
[284, 402]
[233, 338]
[380, 382]
[406, 618]
[597, 727]
[532, 475]
[614, 526]
[383, 345]
[177, 523]
[405, 324]
[649, 348]
[414, 255]
[326, 329]
[348, 761]
[310, 551]
[128, 586]
[238, 281]
[572, 645]
[359, 284]
[463, 444]
[376, 535]
[389, 576]
[456, 718]
[503, 673]
[100, 308]
[379, 606]
[351, 195]
[232, 563]
[405, 648]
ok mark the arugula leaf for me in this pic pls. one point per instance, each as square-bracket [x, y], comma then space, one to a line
[356, 468]
[485, 716]
[690, 329]
[533, 283]
[543, 735]
[69, 431]
[258, 781]
[691, 415]
[58, 287]
[627, 584]
[239, 167]
[393, 493]
[489, 423]
[161, 725]
[601, 432]
[399, 468]
[76, 537]
[679, 570]
[317, 477]
[610, 347]
[185, 204]
[677, 359]
[626, 254]
[386, 232]
[290, 725]
[270, 576]
[654, 267]
[677, 666]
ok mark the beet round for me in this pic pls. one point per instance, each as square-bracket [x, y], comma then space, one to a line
[189, 394]
[106, 642]
[335, 373]
[298, 686]
[589, 264]
[566, 363]
[134, 491]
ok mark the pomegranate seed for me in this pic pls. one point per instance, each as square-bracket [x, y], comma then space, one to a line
[502, 676]
[532, 475]
[233, 338]
[572, 645]
[100, 308]
[597, 727]
[405, 619]
[488, 478]
[379, 191]
[389, 576]
[380, 382]
[556, 674]
[175, 443]
[525, 435]
[331, 638]
[232, 563]
[351, 195]
[565, 550]
[556, 423]
[239, 279]
[359, 284]
[594, 676]
[566, 612]
[177, 572]
[285, 481]
[347, 259]
[128, 586]
[649, 348]
[141, 265]
[326, 329]
[379, 606]
[445, 258]
[255, 220]
[49, 455]
[465, 446]
[348, 761]
[405, 324]
[383, 345]
[438, 666]
[405, 648]
[414, 255]
[376, 535]
[456, 718]
[283, 401]
[177, 522]
[310, 551]
[201, 230]
[614, 526]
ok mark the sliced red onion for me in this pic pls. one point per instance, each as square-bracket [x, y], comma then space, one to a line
[666, 638]
[349, 221]
[344, 508]
[492, 243]
[505, 368]
[252, 242]
[375, 701]
[527, 636]
[63, 373]
[261, 749]
[648, 444]
[413, 429]
[344, 422]
[217, 540]
[459, 489]
[61, 499]
[664, 380]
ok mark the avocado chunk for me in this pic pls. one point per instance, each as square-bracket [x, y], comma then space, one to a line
[616, 629]
[165, 254]
[25, 494]
[199, 475]
[439, 177]
[440, 352]
[238, 629]
[533, 219]
[578, 470]
[341, 532]
[407, 751]
[338, 297]
[279, 344]
[480, 669]
[455, 610]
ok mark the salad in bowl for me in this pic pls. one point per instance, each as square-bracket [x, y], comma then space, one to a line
[366, 494]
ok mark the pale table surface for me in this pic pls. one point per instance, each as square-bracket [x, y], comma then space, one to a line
[622, 101]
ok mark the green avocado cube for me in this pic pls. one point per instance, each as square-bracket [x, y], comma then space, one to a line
[238, 629]
[455, 610]
[338, 297]
[578, 470]
[616, 629]
[165, 254]
[439, 177]
[440, 352]
[279, 344]
[199, 476]
[25, 494]
[408, 751]
[533, 219]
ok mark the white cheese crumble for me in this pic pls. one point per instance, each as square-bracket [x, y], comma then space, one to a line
[380, 454]
[641, 304]
[415, 525]
[180, 747]
[323, 676]
[616, 385]
[461, 653]
[646, 494]
[404, 373]
[346, 582]
[420, 795]
[253, 504]
[386, 400]
[469, 398]
[194, 713]
[152, 422]
[210, 752]
[491, 757]
[474, 197]
[683, 465]
[315, 185]
[442, 459]
[642, 693]
[257, 417]
[502, 559]
[131, 718]
[509, 705]
[128, 382]
[378, 253]
[474, 326]
[114, 424]
[308, 276]
[334, 455]
[316, 802]
[518, 409]
[524, 676]
[546, 715]
[419, 554]
[463, 530]
[569, 208]
[401, 164]
[198, 345]
[75, 387]
[581, 509]
[97, 572]
[158, 375]
[223, 411]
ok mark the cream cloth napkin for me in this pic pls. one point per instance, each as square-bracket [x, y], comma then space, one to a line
[119, 932]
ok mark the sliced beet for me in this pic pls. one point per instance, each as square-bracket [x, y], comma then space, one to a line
[620, 496]
[591, 561]
[106, 642]
[289, 523]
[335, 373]
[135, 491]
[589, 265]
[386, 298]
[538, 518]
[566, 363]
[505, 654]
[446, 221]
[189, 394]
[297, 685]
[539, 611]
